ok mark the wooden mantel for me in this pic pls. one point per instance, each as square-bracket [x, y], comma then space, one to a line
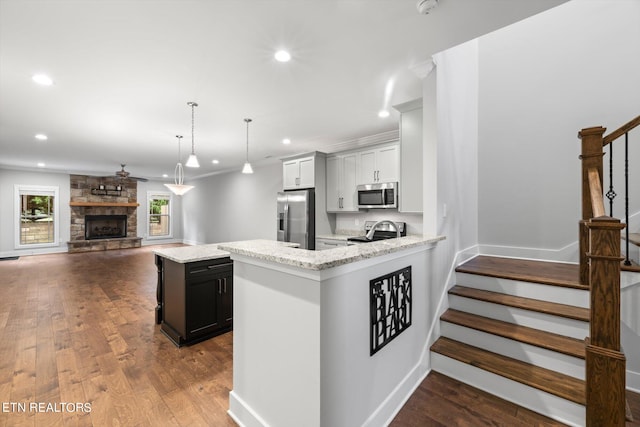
[105, 204]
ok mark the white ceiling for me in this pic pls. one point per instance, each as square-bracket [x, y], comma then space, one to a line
[124, 70]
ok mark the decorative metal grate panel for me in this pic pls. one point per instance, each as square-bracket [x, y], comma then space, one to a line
[389, 307]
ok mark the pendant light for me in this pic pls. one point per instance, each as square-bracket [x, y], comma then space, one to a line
[192, 161]
[247, 166]
[178, 188]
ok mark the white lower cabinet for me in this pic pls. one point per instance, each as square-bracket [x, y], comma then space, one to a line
[322, 244]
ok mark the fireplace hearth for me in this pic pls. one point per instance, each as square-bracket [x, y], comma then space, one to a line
[105, 226]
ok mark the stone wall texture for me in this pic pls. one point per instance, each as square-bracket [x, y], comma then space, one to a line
[87, 189]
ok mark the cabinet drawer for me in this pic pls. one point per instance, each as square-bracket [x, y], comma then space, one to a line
[208, 267]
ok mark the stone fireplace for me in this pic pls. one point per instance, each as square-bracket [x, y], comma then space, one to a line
[103, 214]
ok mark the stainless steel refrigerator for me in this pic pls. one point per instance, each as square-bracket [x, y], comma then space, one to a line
[296, 218]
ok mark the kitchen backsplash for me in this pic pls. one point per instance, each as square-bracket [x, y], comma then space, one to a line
[347, 223]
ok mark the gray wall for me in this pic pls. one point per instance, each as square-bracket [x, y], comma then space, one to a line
[143, 222]
[541, 81]
[8, 179]
[232, 206]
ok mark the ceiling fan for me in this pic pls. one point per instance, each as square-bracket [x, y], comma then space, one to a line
[123, 174]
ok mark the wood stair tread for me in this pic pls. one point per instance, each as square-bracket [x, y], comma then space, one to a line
[562, 310]
[556, 383]
[634, 267]
[549, 273]
[633, 238]
[550, 341]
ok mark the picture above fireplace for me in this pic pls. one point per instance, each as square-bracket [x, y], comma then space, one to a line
[105, 226]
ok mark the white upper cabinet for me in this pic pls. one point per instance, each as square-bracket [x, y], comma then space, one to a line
[341, 183]
[299, 173]
[379, 164]
[411, 159]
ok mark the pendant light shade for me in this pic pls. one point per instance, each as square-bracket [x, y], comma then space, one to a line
[192, 161]
[178, 188]
[247, 166]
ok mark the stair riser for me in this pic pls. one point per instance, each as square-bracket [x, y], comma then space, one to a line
[557, 294]
[546, 322]
[528, 353]
[544, 403]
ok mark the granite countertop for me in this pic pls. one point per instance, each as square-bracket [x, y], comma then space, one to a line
[184, 254]
[269, 250]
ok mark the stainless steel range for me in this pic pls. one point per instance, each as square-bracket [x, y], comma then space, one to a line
[380, 230]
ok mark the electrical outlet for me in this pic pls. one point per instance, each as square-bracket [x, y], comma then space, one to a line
[357, 222]
[444, 210]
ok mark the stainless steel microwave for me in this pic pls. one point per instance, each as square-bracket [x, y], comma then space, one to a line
[378, 196]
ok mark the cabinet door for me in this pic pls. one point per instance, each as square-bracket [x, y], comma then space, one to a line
[387, 164]
[367, 167]
[290, 174]
[226, 300]
[306, 177]
[333, 184]
[201, 306]
[349, 182]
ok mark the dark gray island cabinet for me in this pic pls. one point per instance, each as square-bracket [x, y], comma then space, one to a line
[195, 295]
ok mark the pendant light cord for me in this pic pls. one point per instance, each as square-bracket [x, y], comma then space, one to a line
[247, 121]
[193, 144]
[178, 173]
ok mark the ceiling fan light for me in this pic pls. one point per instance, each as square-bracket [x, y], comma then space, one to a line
[179, 189]
[192, 161]
[247, 168]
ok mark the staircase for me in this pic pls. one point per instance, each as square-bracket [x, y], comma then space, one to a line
[516, 329]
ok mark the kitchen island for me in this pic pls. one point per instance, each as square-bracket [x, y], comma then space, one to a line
[328, 338]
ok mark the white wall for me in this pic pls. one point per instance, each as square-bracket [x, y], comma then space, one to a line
[9, 178]
[232, 206]
[540, 82]
[453, 87]
[143, 219]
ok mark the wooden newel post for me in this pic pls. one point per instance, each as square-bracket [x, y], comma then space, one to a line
[605, 364]
[591, 157]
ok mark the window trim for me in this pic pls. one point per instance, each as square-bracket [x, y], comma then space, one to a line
[163, 194]
[19, 190]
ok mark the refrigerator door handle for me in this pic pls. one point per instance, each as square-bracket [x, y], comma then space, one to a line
[286, 222]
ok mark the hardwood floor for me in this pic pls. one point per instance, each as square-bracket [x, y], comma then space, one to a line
[79, 328]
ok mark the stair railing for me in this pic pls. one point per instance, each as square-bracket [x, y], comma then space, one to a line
[599, 240]
[611, 194]
[593, 143]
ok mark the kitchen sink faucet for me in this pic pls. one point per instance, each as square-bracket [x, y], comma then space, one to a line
[384, 221]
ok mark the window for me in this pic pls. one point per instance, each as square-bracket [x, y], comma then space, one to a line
[37, 216]
[159, 214]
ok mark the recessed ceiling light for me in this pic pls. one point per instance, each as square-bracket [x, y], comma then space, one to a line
[41, 137]
[215, 161]
[41, 165]
[282, 56]
[42, 79]
[383, 113]
[286, 141]
[164, 175]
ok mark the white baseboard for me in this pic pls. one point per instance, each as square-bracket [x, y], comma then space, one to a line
[567, 254]
[242, 413]
[389, 408]
[39, 251]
